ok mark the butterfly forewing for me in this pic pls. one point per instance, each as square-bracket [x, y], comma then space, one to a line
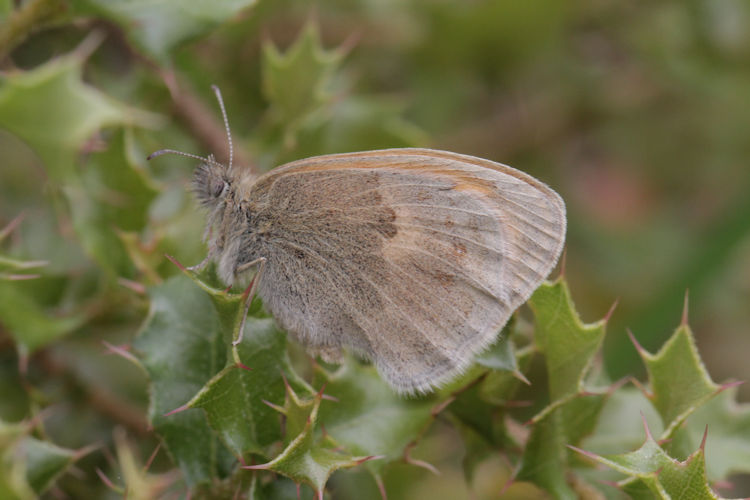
[414, 258]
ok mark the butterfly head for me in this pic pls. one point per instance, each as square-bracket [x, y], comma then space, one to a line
[211, 183]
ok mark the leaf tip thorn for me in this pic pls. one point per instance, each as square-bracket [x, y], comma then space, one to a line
[134, 286]
[583, 452]
[176, 410]
[645, 427]
[176, 262]
[636, 344]
[729, 385]
[107, 481]
[684, 320]
[611, 311]
[520, 376]
[362, 460]
[256, 467]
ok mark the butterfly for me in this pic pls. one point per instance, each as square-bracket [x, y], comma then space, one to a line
[412, 258]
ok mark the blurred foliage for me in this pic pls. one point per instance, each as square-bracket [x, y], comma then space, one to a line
[635, 112]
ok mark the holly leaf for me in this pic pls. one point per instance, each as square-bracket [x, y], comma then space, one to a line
[296, 411]
[296, 82]
[620, 422]
[236, 400]
[181, 346]
[728, 446]
[30, 466]
[30, 324]
[307, 459]
[138, 481]
[55, 112]
[15, 269]
[357, 123]
[114, 195]
[544, 460]
[158, 27]
[579, 416]
[664, 476]
[568, 344]
[368, 418]
[501, 356]
[13, 482]
[44, 462]
[679, 383]
[500, 385]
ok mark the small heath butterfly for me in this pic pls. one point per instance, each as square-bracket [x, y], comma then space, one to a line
[412, 258]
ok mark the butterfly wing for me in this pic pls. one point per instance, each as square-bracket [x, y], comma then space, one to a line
[415, 258]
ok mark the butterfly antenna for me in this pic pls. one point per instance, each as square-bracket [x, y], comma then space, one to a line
[226, 122]
[179, 153]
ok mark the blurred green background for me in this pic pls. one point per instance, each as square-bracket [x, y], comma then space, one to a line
[637, 113]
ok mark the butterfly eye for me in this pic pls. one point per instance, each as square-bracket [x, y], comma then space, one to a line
[218, 188]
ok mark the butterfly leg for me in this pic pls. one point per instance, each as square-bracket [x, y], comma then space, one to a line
[249, 291]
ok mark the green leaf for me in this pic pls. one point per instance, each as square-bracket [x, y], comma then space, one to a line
[545, 457]
[687, 479]
[55, 112]
[620, 424]
[568, 344]
[114, 195]
[182, 346]
[296, 82]
[664, 476]
[281, 488]
[678, 380]
[369, 418]
[371, 122]
[14, 484]
[45, 462]
[579, 416]
[501, 356]
[30, 466]
[234, 400]
[27, 17]
[13, 269]
[500, 386]
[28, 322]
[308, 460]
[728, 445]
[545, 461]
[569, 347]
[21, 308]
[158, 27]
[357, 123]
[138, 481]
[296, 413]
